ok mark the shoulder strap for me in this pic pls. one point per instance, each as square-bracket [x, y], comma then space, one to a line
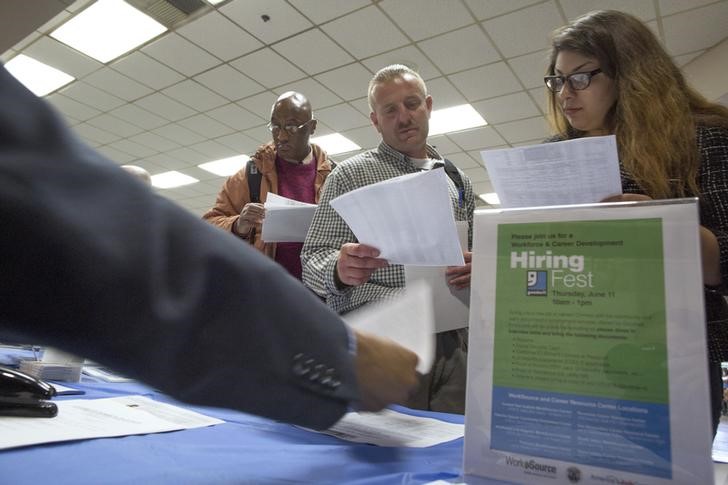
[452, 171]
[254, 178]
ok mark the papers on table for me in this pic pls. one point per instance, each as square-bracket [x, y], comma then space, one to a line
[100, 418]
[390, 428]
[580, 171]
[408, 320]
[286, 220]
[452, 305]
[408, 218]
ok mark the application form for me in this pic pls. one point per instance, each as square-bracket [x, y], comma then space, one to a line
[408, 218]
[580, 171]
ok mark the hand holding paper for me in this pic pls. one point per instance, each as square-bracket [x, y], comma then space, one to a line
[286, 220]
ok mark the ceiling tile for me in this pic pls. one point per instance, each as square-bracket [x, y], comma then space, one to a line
[179, 134]
[477, 174]
[669, 7]
[476, 138]
[229, 82]
[219, 36]
[355, 32]
[507, 108]
[180, 54]
[235, 117]
[205, 126]
[319, 96]
[71, 107]
[539, 96]
[486, 9]
[155, 142]
[299, 50]
[113, 82]
[114, 125]
[463, 161]
[484, 187]
[138, 116]
[284, 20]
[424, 18]
[260, 105]
[686, 58]
[239, 142]
[697, 29]
[443, 144]
[194, 95]
[116, 155]
[259, 133]
[87, 94]
[32, 37]
[410, 56]
[168, 161]
[361, 105]
[524, 31]
[486, 82]
[60, 56]
[188, 156]
[128, 146]
[93, 134]
[366, 137]
[147, 70]
[163, 106]
[268, 68]
[443, 93]
[459, 50]
[213, 150]
[531, 68]
[322, 11]
[341, 117]
[7, 55]
[349, 82]
[577, 8]
[530, 129]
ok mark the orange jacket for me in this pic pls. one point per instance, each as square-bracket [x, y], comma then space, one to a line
[235, 194]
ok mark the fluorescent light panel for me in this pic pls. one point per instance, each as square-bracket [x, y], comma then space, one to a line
[491, 198]
[335, 143]
[172, 179]
[225, 166]
[455, 118]
[40, 78]
[108, 29]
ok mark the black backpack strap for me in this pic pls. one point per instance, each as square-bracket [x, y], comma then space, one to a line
[254, 178]
[452, 171]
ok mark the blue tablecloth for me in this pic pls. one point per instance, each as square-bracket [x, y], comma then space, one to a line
[244, 449]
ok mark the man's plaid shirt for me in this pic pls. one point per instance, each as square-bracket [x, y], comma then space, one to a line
[328, 231]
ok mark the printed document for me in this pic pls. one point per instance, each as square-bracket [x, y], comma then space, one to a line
[452, 305]
[286, 220]
[581, 171]
[408, 218]
[407, 319]
[100, 418]
[391, 428]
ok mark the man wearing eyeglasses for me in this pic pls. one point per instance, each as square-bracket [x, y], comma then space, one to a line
[289, 166]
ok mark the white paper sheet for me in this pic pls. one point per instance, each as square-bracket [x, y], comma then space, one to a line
[408, 218]
[581, 171]
[408, 320]
[286, 220]
[100, 418]
[391, 428]
[452, 306]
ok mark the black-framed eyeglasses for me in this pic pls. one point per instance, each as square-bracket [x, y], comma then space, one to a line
[577, 81]
[290, 129]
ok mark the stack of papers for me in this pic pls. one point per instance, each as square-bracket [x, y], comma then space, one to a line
[286, 220]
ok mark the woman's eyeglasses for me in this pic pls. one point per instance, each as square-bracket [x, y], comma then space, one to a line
[577, 81]
[290, 129]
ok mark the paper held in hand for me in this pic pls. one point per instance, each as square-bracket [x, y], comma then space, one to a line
[409, 219]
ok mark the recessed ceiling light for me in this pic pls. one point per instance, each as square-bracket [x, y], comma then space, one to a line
[40, 78]
[172, 179]
[456, 118]
[108, 29]
[215, 2]
[491, 198]
[335, 143]
[225, 166]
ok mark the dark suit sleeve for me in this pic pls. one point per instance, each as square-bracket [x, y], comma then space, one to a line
[94, 262]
